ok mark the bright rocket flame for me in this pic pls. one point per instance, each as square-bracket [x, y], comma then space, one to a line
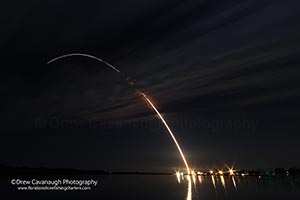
[169, 130]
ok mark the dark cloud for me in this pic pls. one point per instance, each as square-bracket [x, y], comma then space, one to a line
[215, 61]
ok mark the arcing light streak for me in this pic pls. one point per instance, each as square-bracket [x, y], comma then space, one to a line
[169, 130]
[84, 55]
[157, 112]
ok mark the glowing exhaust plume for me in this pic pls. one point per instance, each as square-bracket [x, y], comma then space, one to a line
[169, 130]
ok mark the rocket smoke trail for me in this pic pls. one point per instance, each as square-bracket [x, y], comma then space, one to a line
[145, 97]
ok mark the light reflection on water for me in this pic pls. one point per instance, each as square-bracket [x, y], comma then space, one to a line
[168, 187]
[221, 183]
[189, 189]
[200, 179]
[233, 181]
[178, 176]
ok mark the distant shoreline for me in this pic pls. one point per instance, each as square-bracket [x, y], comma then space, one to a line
[6, 170]
[270, 172]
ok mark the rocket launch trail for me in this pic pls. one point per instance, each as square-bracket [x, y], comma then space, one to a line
[169, 130]
[83, 55]
[144, 96]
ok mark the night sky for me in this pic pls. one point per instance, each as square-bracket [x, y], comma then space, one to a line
[224, 74]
